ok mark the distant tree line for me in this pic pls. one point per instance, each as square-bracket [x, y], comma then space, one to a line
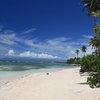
[76, 60]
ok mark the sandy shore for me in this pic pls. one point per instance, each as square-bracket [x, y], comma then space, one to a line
[63, 85]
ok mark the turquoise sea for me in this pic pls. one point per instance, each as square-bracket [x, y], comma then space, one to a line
[11, 69]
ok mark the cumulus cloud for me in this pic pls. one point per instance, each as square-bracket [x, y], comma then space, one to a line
[62, 47]
[11, 53]
[29, 54]
[37, 55]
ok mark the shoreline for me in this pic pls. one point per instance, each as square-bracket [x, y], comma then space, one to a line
[6, 80]
[66, 84]
[18, 74]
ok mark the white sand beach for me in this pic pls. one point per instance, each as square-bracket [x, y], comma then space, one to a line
[62, 85]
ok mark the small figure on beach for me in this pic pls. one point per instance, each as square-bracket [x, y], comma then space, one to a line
[47, 73]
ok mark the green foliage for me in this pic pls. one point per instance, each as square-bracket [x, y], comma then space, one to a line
[96, 14]
[83, 49]
[92, 6]
[94, 81]
[77, 52]
[95, 42]
[86, 63]
[91, 63]
[73, 61]
[97, 29]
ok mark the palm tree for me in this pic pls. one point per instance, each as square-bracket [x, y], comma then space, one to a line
[97, 30]
[93, 7]
[95, 42]
[77, 52]
[83, 49]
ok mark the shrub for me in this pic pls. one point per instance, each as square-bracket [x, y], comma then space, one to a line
[87, 63]
[94, 81]
[91, 63]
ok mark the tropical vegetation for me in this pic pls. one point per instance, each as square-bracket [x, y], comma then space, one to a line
[83, 49]
[73, 60]
[91, 63]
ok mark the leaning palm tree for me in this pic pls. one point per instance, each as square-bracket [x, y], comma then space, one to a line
[95, 42]
[97, 30]
[92, 7]
[83, 49]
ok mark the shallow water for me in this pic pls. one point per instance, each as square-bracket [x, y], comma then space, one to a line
[11, 69]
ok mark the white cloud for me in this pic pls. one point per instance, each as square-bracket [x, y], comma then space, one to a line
[11, 53]
[7, 39]
[87, 36]
[42, 55]
[60, 46]
[29, 54]
[89, 50]
[8, 32]
[29, 31]
[57, 41]
[37, 55]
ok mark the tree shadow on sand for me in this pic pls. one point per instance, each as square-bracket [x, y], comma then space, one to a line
[82, 83]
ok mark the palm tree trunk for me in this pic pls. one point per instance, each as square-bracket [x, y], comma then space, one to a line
[77, 59]
[84, 53]
[95, 21]
[95, 24]
[99, 51]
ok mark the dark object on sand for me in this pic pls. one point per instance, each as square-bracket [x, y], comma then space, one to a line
[47, 73]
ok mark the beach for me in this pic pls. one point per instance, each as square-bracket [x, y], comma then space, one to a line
[66, 84]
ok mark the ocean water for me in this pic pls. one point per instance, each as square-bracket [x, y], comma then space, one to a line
[11, 69]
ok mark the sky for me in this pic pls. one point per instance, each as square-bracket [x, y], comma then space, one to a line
[52, 29]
